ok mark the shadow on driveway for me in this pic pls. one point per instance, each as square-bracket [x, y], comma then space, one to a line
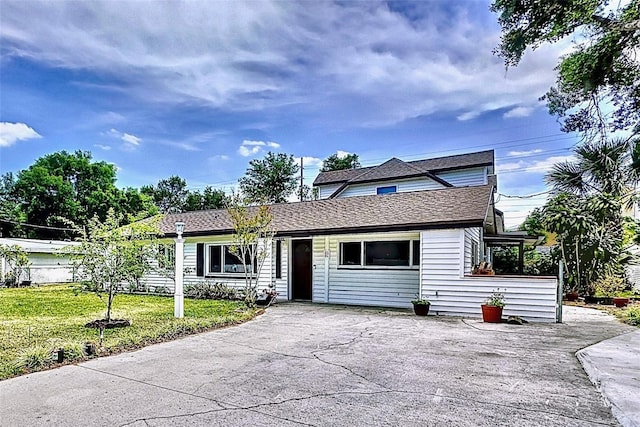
[304, 364]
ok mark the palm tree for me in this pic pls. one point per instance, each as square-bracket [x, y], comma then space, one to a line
[598, 183]
[610, 168]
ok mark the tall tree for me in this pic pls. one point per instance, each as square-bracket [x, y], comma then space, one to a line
[63, 188]
[270, 180]
[170, 194]
[11, 214]
[335, 162]
[602, 69]
[210, 198]
[587, 210]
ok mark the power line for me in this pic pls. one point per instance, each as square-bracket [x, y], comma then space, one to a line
[44, 227]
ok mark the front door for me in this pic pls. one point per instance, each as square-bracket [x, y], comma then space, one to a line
[301, 271]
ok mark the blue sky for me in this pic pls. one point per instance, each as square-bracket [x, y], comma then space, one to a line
[198, 89]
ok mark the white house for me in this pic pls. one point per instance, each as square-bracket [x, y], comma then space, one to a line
[48, 263]
[379, 236]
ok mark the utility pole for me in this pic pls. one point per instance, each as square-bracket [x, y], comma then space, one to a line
[301, 177]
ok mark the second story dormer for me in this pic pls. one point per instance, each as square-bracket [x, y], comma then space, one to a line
[396, 176]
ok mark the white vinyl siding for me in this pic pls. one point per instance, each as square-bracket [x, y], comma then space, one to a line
[155, 280]
[402, 185]
[325, 191]
[49, 268]
[465, 177]
[383, 286]
[282, 284]
[450, 293]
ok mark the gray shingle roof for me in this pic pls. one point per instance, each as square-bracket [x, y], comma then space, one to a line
[450, 207]
[396, 168]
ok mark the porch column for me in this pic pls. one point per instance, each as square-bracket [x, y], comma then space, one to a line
[178, 299]
[521, 258]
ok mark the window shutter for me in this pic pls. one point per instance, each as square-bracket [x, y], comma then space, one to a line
[200, 260]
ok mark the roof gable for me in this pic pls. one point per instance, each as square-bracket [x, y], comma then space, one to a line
[396, 168]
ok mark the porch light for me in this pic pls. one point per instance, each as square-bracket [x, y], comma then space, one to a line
[179, 228]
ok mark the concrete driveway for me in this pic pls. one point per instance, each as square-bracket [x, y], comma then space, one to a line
[318, 365]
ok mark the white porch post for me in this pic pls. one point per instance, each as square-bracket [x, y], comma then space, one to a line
[178, 299]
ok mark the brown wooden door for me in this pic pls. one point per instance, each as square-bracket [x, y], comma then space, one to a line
[302, 269]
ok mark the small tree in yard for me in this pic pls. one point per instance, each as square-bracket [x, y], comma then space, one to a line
[110, 255]
[252, 238]
[16, 260]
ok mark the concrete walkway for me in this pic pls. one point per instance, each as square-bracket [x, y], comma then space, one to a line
[303, 364]
[614, 367]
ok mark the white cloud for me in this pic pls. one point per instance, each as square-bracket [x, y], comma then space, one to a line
[102, 147]
[534, 166]
[324, 57]
[250, 147]
[10, 133]
[470, 115]
[309, 162]
[524, 153]
[131, 139]
[518, 112]
[342, 154]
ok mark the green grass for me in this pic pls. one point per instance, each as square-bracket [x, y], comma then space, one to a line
[35, 321]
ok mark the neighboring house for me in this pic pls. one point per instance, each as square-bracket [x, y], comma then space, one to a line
[48, 263]
[378, 236]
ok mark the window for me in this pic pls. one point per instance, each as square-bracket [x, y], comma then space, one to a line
[387, 190]
[475, 254]
[223, 261]
[384, 253]
[278, 259]
[166, 256]
[387, 253]
[351, 253]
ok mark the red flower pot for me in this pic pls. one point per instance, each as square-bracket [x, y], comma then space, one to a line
[572, 296]
[491, 313]
[620, 302]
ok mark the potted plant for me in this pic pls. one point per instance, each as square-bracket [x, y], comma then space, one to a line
[620, 301]
[492, 307]
[613, 287]
[267, 297]
[420, 306]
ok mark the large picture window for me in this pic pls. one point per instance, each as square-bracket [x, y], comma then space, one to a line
[383, 253]
[394, 253]
[222, 261]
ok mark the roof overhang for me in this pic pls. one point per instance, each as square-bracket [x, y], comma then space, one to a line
[512, 239]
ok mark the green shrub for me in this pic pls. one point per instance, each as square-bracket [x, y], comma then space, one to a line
[631, 316]
[609, 286]
[208, 290]
[33, 358]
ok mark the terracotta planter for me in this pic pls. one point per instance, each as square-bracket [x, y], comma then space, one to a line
[620, 301]
[491, 313]
[572, 296]
[421, 309]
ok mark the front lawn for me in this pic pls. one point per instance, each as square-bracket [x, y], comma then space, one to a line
[36, 321]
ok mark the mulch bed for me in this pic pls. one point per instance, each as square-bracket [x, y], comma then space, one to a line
[104, 324]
